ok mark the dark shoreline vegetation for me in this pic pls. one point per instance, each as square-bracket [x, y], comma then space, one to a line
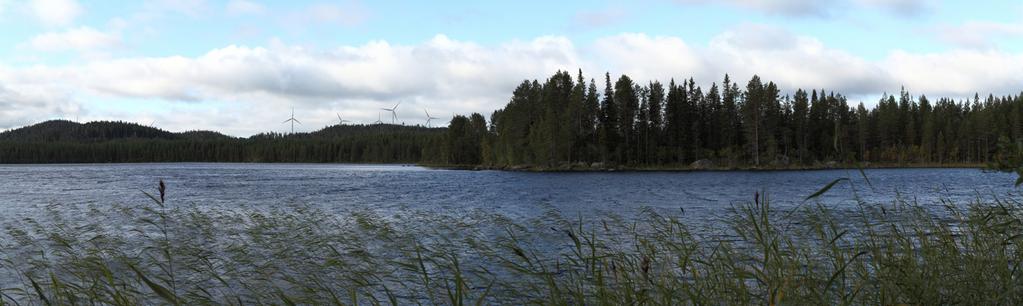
[163, 250]
[564, 123]
[691, 168]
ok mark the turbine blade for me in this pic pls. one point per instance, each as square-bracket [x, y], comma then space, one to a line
[296, 121]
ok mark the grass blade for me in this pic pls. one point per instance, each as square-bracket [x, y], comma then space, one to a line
[39, 291]
[826, 188]
[160, 290]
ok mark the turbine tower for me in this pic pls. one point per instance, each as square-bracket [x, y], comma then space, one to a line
[428, 117]
[378, 119]
[341, 121]
[292, 120]
[394, 113]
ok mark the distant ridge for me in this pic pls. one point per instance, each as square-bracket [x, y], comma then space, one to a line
[63, 141]
[97, 131]
[64, 130]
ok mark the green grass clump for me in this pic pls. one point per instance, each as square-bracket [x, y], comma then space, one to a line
[161, 253]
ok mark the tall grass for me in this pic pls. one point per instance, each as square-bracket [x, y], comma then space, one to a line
[165, 252]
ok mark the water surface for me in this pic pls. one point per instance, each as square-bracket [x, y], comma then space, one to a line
[26, 189]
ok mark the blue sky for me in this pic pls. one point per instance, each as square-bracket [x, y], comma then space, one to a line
[239, 66]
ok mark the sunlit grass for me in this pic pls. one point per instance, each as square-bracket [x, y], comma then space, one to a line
[163, 252]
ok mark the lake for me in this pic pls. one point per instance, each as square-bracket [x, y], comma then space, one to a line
[26, 189]
[241, 221]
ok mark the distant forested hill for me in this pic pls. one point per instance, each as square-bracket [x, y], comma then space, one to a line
[63, 130]
[61, 141]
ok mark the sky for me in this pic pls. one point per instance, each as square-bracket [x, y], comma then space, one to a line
[240, 66]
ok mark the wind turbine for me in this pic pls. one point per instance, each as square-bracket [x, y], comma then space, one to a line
[378, 119]
[341, 121]
[292, 120]
[394, 113]
[428, 117]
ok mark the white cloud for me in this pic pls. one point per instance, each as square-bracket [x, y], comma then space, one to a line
[957, 73]
[789, 60]
[798, 61]
[244, 90]
[441, 67]
[244, 7]
[793, 61]
[28, 95]
[348, 13]
[820, 8]
[192, 8]
[645, 57]
[817, 8]
[79, 39]
[589, 19]
[56, 12]
[441, 74]
[977, 34]
[900, 7]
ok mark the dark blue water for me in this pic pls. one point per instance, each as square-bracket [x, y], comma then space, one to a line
[26, 189]
[87, 200]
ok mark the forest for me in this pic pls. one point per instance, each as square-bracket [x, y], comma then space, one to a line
[567, 121]
[61, 141]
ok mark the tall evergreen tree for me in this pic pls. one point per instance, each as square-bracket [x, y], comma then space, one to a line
[609, 124]
[752, 113]
[800, 116]
[628, 105]
[674, 123]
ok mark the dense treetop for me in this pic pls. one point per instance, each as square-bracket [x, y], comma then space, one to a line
[562, 120]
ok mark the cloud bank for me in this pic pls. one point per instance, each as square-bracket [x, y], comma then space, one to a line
[56, 12]
[820, 8]
[244, 90]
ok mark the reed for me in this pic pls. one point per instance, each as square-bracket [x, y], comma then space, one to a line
[170, 252]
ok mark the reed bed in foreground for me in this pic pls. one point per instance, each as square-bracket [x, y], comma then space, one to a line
[160, 253]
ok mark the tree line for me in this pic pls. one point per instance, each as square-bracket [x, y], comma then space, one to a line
[567, 120]
[61, 141]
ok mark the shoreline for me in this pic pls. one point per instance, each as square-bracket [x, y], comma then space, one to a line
[582, 169]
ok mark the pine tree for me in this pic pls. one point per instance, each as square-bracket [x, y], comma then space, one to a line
[863, 130]
[800, 116]
[927, 133]
[628, 104]
[752, 110]
[673, 129]
[609, 128]
[714, 120]
[732, 126]
[593, 121]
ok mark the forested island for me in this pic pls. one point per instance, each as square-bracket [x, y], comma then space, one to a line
[566, 123]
